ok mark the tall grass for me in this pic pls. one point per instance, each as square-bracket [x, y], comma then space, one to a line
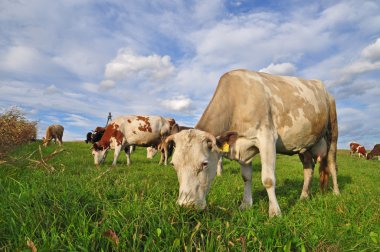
[65, 203]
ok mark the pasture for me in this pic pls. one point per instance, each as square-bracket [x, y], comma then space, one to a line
[57, 200]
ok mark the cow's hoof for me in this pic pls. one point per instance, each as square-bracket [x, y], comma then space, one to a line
[304, 196]
[274, 212]
[336, 192]
[245, 206]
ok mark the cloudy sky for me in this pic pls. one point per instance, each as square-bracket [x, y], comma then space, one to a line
[73, 61]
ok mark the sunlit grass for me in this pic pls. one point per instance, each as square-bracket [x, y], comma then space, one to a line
[68, 204]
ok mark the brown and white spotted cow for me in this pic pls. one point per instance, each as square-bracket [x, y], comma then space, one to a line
[55, 132]
[357, 148]
[250, 113]
[130, 130]
[374, 152]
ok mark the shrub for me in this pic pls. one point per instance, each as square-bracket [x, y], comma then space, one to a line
[15, 129]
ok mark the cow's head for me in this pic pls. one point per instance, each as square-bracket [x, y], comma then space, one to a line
[45, 141]
[195, 160]
[88, 137]
[99, 152]
[150, 152]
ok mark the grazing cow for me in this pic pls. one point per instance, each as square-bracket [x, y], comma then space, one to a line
[357, 148]
[131, 130]
[151, 151]
[374, 152]
[53, 132]
[250, 113]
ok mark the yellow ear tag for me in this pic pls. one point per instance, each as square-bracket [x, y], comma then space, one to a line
[225, 147]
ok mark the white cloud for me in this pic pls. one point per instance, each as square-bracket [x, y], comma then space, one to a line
[107, 84]
[52, 89]
[368, 61]
[77, 120]
[372, 52]
[21, 58]
[280, 69]
[128, 65]
[180, 103]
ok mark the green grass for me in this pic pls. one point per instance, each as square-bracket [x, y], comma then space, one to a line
[70, 205]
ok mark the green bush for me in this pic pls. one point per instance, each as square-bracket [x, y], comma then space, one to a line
[15, 129]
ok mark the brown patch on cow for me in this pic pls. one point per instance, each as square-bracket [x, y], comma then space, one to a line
[129, 121]
[99, 129]
[323, 176]
[112, 130]
[268, 183]
[146, 124]
[134, 132]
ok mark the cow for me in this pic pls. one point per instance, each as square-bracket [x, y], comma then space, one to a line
[130, 130]
[55, 132]
[254, 112]
[95, 135]
[357, 148]
[374, 152]
[151, 151]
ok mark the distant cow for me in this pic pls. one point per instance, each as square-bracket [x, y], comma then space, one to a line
[251, 113]
[131, 130]
[53, 132]
[357, 148]
[152, 150]
[374, 152]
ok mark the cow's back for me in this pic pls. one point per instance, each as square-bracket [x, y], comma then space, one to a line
[244, 101]
[145, 130]
[54, 130]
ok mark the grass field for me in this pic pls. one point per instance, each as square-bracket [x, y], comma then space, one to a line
[59, 201]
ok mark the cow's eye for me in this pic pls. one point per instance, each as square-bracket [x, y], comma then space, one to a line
[204, 164]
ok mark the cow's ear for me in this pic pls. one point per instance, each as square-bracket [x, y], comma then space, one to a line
[174, 129]
[226, 139]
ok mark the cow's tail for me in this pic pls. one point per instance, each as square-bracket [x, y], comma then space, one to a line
[329, 165]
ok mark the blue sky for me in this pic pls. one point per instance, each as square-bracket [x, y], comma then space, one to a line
[71, 62]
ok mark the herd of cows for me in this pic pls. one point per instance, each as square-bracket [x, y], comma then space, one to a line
[249, 113]
[360, 150]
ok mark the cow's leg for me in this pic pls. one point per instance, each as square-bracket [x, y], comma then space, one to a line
[308, 171]
[127, 150]
[116, 154]
[246, 173]
[219, 168]
[332, 168]
[268, 167]
[60, 141]
[163, 148]
[166, 153]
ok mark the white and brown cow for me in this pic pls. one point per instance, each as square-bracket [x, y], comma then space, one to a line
[55, 132]
[374, 152]
[130, 130]
[250, 113]
[357, 148]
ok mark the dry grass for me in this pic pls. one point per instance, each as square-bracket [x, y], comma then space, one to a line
[15, 129]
